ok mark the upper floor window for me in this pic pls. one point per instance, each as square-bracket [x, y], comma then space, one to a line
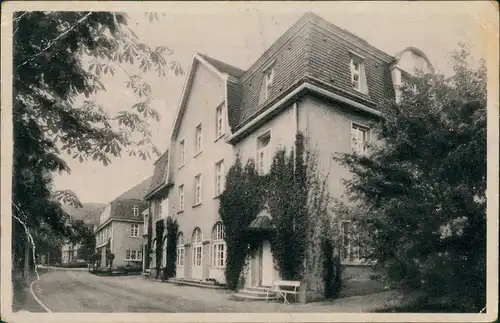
[219, 122]
[359, 138]
[197, 189]
[182, 152]
[219, 178]
[135, 210]
[263, 154]
[199, 139]
[181, 198]
[134, 230]
[358, 77]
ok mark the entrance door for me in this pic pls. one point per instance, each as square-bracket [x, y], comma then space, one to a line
[197, 272]
[267, 264]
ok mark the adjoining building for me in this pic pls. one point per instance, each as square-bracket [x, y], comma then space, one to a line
[120, 228]
[317, 79]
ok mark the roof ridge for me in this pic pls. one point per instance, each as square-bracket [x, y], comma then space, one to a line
[223, 67]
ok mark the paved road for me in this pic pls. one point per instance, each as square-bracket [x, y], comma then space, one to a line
[80, 291]
[77, 291]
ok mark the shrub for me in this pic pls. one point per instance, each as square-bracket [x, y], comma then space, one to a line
[172, 232]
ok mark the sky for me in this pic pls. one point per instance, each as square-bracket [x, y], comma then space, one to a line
[238, 33]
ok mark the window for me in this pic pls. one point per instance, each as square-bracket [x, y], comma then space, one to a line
[219, 122]
[197, 189]
[180, 250]
[133, 255]
[268, 81]
[263, 154]
[198, 143]
[351, 250]
[218, 246]
[181, 198]
[359, 138]
[159, 208]
[197, 247]
[182, 153]
[358, 79]
[219, 178]
[134, 230]
[135, 210]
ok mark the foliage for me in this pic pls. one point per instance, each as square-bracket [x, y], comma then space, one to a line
[422, 192]
[287, 198]
[109, 258]
[159, 229]
[59, 60]
[239, 204]
[82, 234]
[172, 233]
[149, 242]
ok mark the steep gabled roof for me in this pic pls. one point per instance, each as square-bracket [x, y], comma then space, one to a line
[223, 67]
[160, 174]
[137, 192]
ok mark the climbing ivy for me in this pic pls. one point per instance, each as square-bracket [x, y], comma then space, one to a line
[160, 226]
[287, 198]
[172, 232]
[239, 204]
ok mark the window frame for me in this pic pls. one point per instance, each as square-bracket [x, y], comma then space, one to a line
[353, 239]
[182, 154]
[132, 231]
[219, 121]
[359, 127]
[267, 153]
[181, 198]
[218, 248]
[135, 211]
[219, 182]
[197, 250]
[357, 59]
[181, 250]
[197, 184]
[268, 73]
[198, 134]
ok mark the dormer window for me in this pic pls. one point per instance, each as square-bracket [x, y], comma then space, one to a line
[358, 77]
[267, 82]
[135, 210]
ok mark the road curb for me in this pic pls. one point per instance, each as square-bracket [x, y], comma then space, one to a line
[32, 292]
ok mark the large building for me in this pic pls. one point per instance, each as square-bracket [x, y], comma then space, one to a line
[317, 79]
[120, 228]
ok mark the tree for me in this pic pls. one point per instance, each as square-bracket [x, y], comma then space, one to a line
[83, 235]
[421, 193]
[59, 58]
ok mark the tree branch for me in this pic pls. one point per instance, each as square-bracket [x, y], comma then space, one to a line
[54, 40]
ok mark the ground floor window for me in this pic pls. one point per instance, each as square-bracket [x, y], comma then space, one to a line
[197, 251]
[350, 247]
[218, 245]
[218, 254]
[197, 247]
[180, 256]
[133, 255]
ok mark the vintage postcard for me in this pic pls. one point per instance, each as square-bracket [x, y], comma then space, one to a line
[249, 161]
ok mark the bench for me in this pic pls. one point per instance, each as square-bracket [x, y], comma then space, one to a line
[283, 288]
[146, 273]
